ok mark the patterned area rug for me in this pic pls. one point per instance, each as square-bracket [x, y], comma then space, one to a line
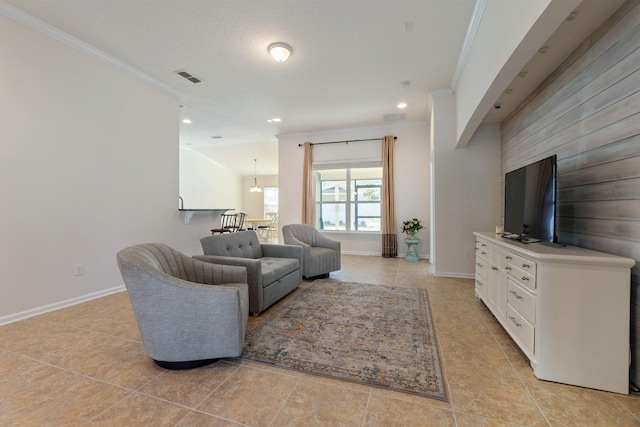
[376, 335]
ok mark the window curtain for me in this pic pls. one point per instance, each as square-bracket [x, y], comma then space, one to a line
[307, 185]
[389, 232]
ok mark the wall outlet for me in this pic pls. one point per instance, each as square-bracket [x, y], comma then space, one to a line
[79, 270]
[467, 254]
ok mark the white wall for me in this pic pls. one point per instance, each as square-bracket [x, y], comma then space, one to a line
[205, 184]
[465, 189]
[411, 177]
[253, 203]
[88, 165]
[509, 34]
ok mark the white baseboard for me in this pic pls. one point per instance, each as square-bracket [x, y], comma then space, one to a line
[378, 254]
[454, 275]
[58, 305]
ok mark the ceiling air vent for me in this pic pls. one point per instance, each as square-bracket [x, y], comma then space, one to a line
[394, 117]
[188, 76]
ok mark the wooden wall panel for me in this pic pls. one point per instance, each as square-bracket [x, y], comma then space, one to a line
[587, 112]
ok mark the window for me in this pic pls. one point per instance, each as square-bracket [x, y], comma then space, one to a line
[348, 198]
[270, 199]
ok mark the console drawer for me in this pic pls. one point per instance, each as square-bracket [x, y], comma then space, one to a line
[522, 263]
[522, 276]
[522, 301]
[481, 267]
[521, 330]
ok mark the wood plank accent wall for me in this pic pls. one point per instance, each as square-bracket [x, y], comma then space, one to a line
[587, 112]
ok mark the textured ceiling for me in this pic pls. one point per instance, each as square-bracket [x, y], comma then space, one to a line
[349, 60]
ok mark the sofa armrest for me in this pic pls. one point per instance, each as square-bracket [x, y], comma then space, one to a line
[282, 251]
[254, 275]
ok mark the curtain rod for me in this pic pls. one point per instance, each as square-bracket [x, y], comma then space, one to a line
[345, 142]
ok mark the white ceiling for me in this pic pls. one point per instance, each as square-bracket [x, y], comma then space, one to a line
[349, 60]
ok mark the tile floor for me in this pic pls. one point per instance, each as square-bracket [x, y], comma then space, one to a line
[85, 365]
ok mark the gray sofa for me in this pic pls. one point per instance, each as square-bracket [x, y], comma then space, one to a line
[189, 312]
[320, 255]
[272, 270]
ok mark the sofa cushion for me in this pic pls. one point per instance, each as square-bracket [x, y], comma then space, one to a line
[244, 244]
[276, 268]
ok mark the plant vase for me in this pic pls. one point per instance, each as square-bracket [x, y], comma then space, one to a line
[412, 248]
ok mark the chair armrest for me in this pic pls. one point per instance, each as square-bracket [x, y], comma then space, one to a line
[327, 242]
[216, 274]
[254, 275]
[282, 251]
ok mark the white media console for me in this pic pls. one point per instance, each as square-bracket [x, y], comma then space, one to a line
[567, 308]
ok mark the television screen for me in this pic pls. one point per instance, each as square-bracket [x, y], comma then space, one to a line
[530, 202]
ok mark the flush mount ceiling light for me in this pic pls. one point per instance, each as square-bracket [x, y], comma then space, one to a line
[254, 188]
[275, 120]
[280, 51]
[402, 105]
[187, 121]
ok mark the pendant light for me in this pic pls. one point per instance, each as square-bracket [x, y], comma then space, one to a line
[255, 188]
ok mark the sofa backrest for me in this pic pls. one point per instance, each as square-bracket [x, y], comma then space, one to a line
[243, 244]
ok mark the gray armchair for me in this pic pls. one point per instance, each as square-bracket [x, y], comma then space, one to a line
[320, 255]
[272, 270]
[189, 312]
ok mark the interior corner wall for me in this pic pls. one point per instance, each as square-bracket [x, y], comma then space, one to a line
[411, 158]
[205, 184]
[465, 193]
[88, 166]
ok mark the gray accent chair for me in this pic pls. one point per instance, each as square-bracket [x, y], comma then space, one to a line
[273, 270]
[189, 312]
[320, 255]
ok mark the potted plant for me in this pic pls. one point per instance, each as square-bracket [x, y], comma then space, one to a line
[411, 227]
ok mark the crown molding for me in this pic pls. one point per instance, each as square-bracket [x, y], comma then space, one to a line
[34, 23]
[469, 39]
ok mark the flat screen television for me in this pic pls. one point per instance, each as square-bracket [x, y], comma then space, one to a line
[530, 202]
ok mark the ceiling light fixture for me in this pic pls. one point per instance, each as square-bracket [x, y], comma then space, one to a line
[187, 121]
[280, 51]
[255, 188]
[402, 105]
[275, 120]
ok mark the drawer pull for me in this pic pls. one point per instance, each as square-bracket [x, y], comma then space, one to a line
[525, 266]
[478, 264]
[516, 294]
[478, 283]
[525, 278]
[484, 246]
[515, 321]
[483, 253]
[507, 257]
[494, 268]
[507, 268]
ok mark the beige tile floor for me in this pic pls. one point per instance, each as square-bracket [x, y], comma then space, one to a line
[85, 365]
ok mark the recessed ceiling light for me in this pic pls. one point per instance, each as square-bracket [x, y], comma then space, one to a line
[543, 50]
[275, 120]
[402, 105]
[523, 74]
[216, 137]
[187, 121]
[404, 84]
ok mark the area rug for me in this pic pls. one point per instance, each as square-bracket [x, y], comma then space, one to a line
[376, 335]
